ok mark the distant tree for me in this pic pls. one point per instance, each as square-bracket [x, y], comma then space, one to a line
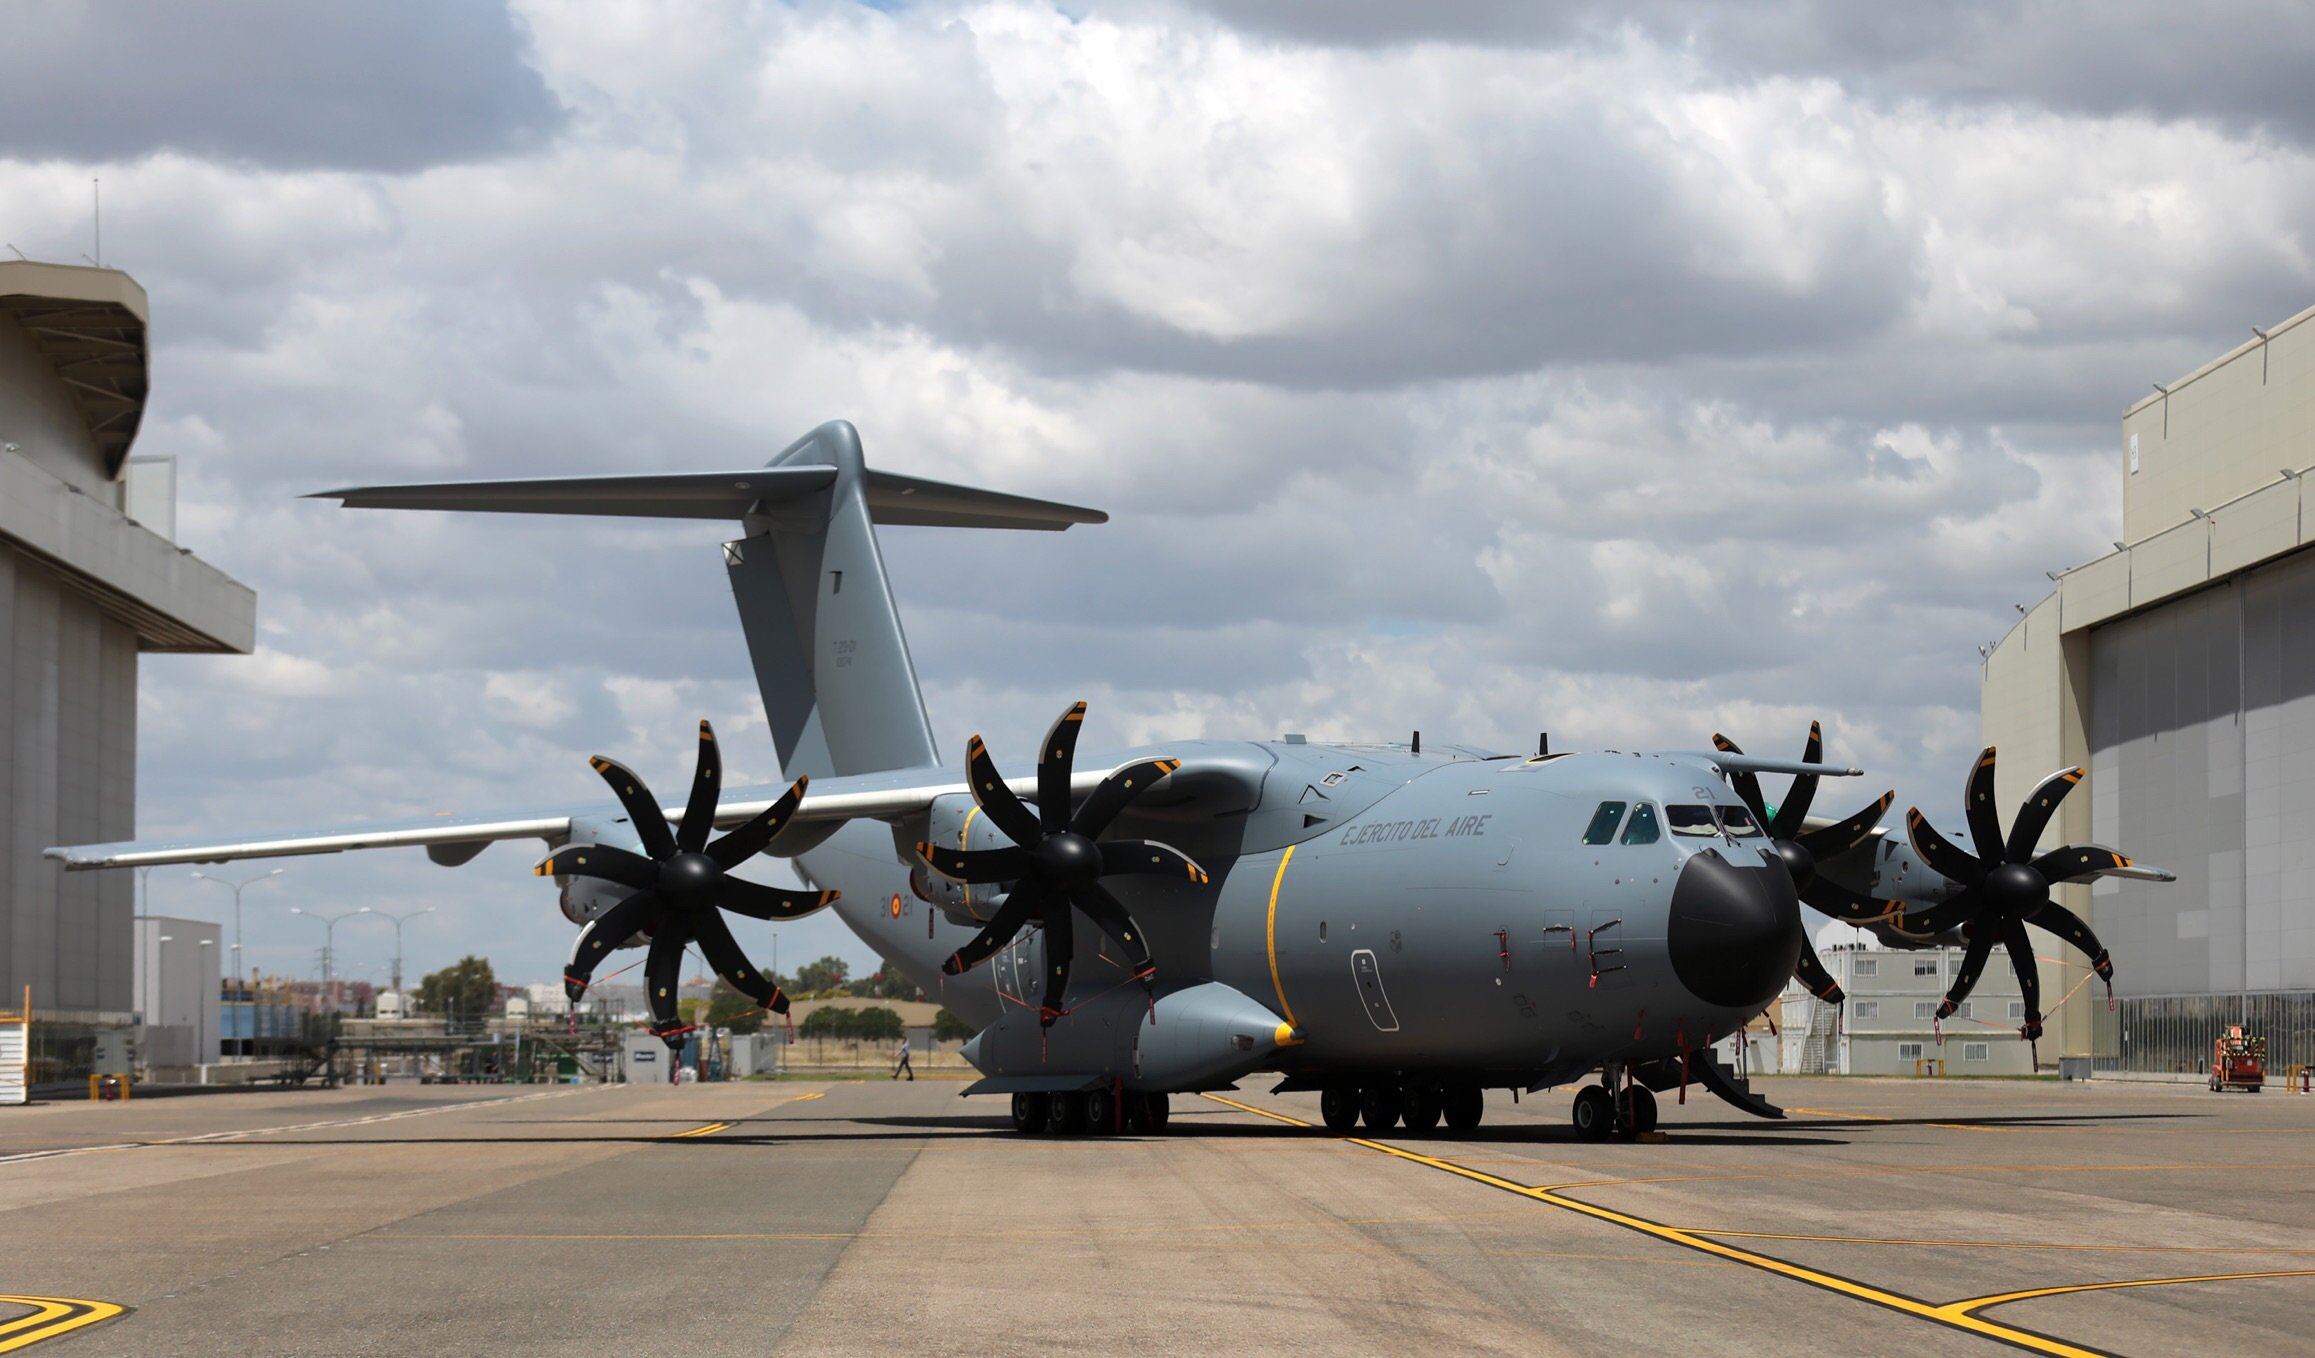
[887, 984]
[826, 974]
[464, 991]
[727, 1008]
[877, 1024]
[691, 1009]
[829, 1021]
[947, 1027]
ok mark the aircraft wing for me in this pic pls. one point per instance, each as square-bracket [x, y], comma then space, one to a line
[452, 838]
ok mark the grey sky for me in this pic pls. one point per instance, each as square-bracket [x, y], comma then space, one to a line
[1627, 380]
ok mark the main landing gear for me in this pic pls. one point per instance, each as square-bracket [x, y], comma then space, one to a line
[1091, 1112]
[1420, 1106]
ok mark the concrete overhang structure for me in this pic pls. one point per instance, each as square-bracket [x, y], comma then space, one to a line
[84, 589]
[2165, 667]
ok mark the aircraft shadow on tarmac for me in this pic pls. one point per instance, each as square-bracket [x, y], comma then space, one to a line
[1802, 1131]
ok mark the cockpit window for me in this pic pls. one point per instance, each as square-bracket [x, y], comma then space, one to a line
[1602, 830]
[1691, 820]
[1642, 830]
[1738, 822]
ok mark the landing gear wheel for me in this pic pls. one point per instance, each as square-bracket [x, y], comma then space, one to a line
[1378, 1108]
[1145, 1114]
[1338, 1109]
[1594, 1113]
[1068, 1115]
[1463, 1105]
[1031, 1112]
[1639, 1110]
[1422, 1111]
[1100, 1112]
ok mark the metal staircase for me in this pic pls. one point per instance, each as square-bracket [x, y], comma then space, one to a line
[1819, 1044]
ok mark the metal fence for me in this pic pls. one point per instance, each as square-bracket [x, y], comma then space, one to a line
[2172, 1034]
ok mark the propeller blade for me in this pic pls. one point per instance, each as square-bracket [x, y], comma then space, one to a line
[2079, 863]
[2029, 976]
[605, 932]
[2034, 816]
[706, 776]
[757, 901]
[976, 865]
[1938, 851]
[1020, 904]
[642, 808]
[749, 840]
[1116, 791]
[663, 978]
[724, 954]
[1835, 840]
[996, 800]
[1795, 807]
[1147, 857]
[1747, 784]
[1936, 919]
[600, 860]
[1965, 980]
[1812, 973]
[2069, 926]
[1111, 917]
[1985, 822]
[1054, 764]
[1060, 952]
[1844, 903]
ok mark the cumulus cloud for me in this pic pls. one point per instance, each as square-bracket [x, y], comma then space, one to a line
[1628, 374]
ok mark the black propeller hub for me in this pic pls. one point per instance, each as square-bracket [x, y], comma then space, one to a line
[2016, 888]
[1798, 861]
[688, 876]
[1067, 860]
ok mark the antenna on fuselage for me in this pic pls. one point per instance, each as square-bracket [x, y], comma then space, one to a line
[1415, 746]
[1542, 744]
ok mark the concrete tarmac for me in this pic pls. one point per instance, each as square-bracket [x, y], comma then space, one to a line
[879, 1218]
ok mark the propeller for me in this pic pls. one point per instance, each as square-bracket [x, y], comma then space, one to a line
[1802, 849]
[2005, 885]
[1054, 863]
[681, 879]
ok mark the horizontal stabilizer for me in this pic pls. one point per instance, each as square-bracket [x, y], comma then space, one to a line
[721, 495]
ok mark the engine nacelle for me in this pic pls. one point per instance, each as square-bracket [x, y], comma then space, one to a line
[585, 899]
[954, 821]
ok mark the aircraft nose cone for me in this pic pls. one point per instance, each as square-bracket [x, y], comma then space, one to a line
[1735, 931]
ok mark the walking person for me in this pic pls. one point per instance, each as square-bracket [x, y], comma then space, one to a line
[900, 1061]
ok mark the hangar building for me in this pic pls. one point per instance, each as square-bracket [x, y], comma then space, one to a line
[89, 578]
[2180, 669]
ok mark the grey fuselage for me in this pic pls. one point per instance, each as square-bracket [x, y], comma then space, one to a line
[1384, 911]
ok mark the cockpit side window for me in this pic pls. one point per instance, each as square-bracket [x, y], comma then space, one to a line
[1602, 830]
[1691, 820]
[1643, 829]
[1738, 822]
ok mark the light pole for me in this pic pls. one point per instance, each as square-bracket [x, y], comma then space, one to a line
[329, 925]
[161, 976]
[201, 1003]
[398, 919]
[237, 887]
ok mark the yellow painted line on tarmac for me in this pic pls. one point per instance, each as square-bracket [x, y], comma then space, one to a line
[1829, 1113]
[1963, 1308]
[52, 1316]
[1961, 1319]
[807, 1098]
[1998, 1244]
[709, 1130]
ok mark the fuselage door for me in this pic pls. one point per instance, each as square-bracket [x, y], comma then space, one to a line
[1369, 975]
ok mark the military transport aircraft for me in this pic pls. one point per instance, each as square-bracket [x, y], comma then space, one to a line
[1400, 927]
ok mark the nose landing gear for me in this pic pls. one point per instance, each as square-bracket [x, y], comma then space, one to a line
[1623, 1115]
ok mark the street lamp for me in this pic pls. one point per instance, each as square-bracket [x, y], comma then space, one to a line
[237, 887]
[329, 925]
[398, 919]
[161, 976]
[201, 1004]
